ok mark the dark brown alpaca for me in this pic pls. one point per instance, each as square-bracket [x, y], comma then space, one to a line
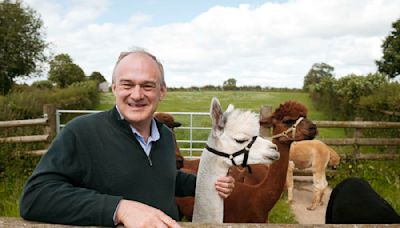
[255, 194]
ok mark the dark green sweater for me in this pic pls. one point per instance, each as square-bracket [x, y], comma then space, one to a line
[96, 161]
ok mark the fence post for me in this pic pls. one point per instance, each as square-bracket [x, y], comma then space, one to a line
[49, 112]
[265, 111]
[356, 135]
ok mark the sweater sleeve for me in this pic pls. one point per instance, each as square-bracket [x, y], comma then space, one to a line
[55, 192]
[185, 184]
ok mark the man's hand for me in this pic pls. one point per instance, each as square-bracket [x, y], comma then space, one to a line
[224, 186]
[135, 214]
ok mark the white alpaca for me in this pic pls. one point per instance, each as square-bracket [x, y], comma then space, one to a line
[232, 132]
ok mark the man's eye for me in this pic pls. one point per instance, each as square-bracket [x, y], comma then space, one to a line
[241, 141]
[125, 86]
[148, 86]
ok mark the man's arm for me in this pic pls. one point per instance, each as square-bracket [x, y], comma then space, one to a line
[54, 192]
[185, 184]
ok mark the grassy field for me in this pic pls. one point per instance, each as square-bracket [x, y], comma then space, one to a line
[200, 101]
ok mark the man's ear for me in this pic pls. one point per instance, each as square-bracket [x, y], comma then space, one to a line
[163, 92]
[113, 88]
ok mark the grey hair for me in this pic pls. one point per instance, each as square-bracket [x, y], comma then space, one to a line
[141, 51]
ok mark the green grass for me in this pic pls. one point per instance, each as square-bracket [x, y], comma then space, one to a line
[183, 101]
[10, 190]
[14, 171]
[281, 213]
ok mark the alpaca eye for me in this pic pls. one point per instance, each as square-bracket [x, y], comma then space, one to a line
[241, 141]
[289, 122]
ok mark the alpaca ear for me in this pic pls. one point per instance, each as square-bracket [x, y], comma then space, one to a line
[230, 108]
[217, 117]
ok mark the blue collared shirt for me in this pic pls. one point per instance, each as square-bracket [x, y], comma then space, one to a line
[154, 135]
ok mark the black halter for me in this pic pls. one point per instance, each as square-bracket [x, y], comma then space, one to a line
[244, 151]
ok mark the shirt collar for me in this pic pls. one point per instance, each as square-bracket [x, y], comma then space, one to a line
[154, 134]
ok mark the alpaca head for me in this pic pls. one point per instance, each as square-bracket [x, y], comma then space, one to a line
[167, 119]
[334, 159]
[290, 123]
[235, 130]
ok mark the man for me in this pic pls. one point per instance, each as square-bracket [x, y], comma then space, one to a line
[117, 166]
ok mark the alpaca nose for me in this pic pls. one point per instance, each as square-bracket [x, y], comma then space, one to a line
[273, 147]
[275, 156]
[313, 128]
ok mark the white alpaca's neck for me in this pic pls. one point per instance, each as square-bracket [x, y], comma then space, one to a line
[209, 206]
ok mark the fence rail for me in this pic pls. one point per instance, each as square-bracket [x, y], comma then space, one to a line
[49, 129]
[21, 123]
[357, 124]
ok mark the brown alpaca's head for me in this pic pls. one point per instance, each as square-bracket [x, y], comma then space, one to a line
[285, 117]
[167, 119]
[334, 159]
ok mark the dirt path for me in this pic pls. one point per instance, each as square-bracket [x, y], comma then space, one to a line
[302, 196]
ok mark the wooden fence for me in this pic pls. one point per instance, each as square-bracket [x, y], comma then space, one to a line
[357, 140]
[49, 129]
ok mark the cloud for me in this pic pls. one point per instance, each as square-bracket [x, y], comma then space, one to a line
[273, 44]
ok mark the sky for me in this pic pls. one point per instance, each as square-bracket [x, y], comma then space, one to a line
[205, 42]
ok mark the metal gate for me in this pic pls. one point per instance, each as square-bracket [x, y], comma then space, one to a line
[191, 136]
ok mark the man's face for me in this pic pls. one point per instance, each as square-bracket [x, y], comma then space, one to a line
[137, 88]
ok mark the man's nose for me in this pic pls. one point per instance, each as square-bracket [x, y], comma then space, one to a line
[136, 92]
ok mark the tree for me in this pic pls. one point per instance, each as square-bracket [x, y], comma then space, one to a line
[21, 43]
[229, 84]
[390, 62]
[317, 72]
[43, 84]
[64, 72]
[97, 76]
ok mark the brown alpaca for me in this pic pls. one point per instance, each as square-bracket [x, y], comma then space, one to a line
[169, 120]
[254, 195]
[317, 155]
